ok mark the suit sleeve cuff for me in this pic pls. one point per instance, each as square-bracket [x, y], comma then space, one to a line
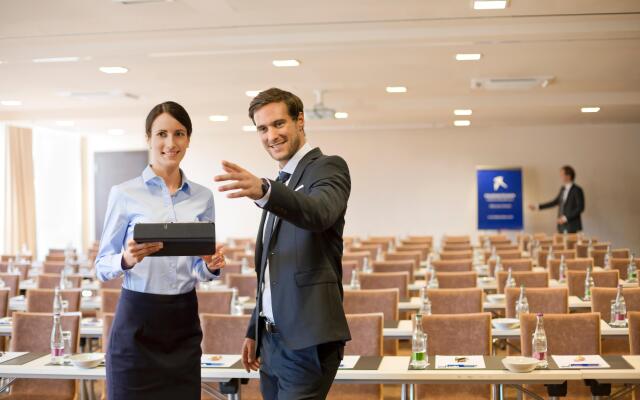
[265, 199]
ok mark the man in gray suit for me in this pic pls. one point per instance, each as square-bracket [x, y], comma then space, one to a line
[298, 329]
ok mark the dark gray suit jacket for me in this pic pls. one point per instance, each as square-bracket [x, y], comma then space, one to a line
[305, 254]
[572, 208]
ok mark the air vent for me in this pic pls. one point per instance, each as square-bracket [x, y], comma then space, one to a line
[523, 83]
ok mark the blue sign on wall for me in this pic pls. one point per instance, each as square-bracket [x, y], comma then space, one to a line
[499, 198]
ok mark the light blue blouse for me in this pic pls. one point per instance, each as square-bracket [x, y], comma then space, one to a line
[147, 199]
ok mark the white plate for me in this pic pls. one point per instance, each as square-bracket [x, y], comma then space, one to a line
[86, 360]
[520, 364]
[505, 323]
[496, 297]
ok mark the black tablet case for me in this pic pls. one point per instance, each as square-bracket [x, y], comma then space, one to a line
[178, 238]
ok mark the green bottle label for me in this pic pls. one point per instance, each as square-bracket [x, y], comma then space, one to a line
[418, 356]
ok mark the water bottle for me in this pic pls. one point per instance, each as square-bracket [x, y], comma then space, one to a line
[433, 281]
[539, 343]
[11, 267]
[498, 267]
[535, 251]
[57, 341]
[522, 306]
[57, 301]
[565, 238]
[64, 283]
[430, 262]
[562, 270]
[590, 248]
[588, 285]
[355, 280]
[425, 303]
[620, 309]
[510, 282]
[244, 266]
[632, 270]
[2, 283]
[494, 254]
[418, 344]
[391, 247]
[550, 257]
[607, 258]
[366, 267]
[236, 306]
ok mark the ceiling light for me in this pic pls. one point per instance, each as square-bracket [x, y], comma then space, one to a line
[461, 122]
[286, 63]
[218, 118]
[463, 111]
[468, 56]
[11, 102]
[67, 124]
[396, 89]
[56, 59]
[341, 115]
[590, 109]
[252, 93]
[490, 4]
[114, 70]
[116, 132]
[249, 128]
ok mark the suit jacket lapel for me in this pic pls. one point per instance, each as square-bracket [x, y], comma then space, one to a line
[259, 249]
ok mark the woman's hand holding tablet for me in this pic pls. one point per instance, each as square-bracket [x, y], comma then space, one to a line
[215, 261]
[134, 252]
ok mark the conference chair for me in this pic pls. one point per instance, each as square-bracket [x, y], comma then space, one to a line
[372, 249]
[455, 247]
[235, 267]
[239, 258]
[455, 280]
[456, 301]
[575, 281]
[544, 254]
[562, 339]
[357, 256]
[424, 249]
[601, 299]
[634, 340]
[456, 239]
[506, 246]
[456, 255]
[526, 278]
[366, 340]
[418, 239]
[383, 301]
[11, 282]
[407, 266]
[414, 256]
[245, 283]
[516, 264]
[453, 265]
[386, 280]
[456, 335]
[41, 300]
[347, 270]
[51, 281]
[31, 332]
[4, 302]
[109, 300]
[214, 301]
[52, 267]
[575, 264]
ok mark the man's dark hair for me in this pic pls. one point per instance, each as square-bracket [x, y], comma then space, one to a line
[275, 95]
[172, 108]
[568, 170]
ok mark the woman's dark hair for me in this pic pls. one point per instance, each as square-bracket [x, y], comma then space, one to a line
[569, 171]
[172, 108]
[275, 95]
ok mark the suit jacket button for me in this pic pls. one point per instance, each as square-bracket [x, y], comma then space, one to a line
[273, 283]
[273, 253]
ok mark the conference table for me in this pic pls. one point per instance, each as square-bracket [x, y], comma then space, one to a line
[371, 370]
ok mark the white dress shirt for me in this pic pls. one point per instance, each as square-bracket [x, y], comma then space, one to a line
[565, 193]
[290, 167]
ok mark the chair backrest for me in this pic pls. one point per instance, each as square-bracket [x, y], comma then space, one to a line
[372, 250]
[509, 254]
[11, 282]
[235, 267]
[383, 301]
[456, 255]
[386, 240]
[544, 300]
[455, 280]
[598, 257]
[506, 246]
[457, 239]
[544, 253]
[567, 334]
[52, 267]
[347, 270]
[458, 334]
[414, 256]
[424, 249]
[418, 239]
[386, 280]
[357, 256]
[50, 281]
[537, 279]
[407, 266]
[621, 265]
[239, 257]
[575, 264]
[214, 301]
[41, 300]
[366, 334]
[456, 301]
[453, 265]
[516, 264]
[107, 322]
[575, 280]
[582, 249]
[634, 332]
[109, 300]
[245, 283]
[4, 302]
[453, 247]
[620, 253]
[223, 334]
[601, 300]
[114, 283]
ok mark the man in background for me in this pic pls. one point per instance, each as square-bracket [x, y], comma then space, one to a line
[570, 202]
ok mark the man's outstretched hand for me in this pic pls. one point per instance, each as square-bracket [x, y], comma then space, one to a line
[242, 181]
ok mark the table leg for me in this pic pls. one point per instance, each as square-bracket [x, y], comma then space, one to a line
[412, 391]
[403, 392]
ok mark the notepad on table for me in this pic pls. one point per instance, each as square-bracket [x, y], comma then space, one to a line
[218, 360]
[460, 362]
[349, 362]
[579, 362]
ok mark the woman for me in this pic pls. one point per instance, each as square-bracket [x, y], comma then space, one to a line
[154, 348]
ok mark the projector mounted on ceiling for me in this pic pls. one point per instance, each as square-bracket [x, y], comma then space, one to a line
[523, 83]
[319, 110]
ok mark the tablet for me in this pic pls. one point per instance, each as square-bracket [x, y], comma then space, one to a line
[178, 238]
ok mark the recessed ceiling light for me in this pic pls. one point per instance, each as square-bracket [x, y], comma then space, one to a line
[590, 109]
[252, 93]
[461, 122]
[2, 62]
[396, 89]
[286, 63]
[114, 70]
[218, 118]
[490, 4]
[65, 123]
[341, 115]
[468, 56]
[56, 59]
[116, 132]
[11, 102]
[249, 128]
[463, 111]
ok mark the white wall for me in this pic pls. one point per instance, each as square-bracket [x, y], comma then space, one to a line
[423, 181]
[2, 185]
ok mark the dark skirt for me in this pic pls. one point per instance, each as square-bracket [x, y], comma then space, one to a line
[154, 347]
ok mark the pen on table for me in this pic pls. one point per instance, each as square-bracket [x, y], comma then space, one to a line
[584, 365]
[460, 365]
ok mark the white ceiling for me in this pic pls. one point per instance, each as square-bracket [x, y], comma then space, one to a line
[207, 53]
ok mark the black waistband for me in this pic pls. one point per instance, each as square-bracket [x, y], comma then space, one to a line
[142, 297]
